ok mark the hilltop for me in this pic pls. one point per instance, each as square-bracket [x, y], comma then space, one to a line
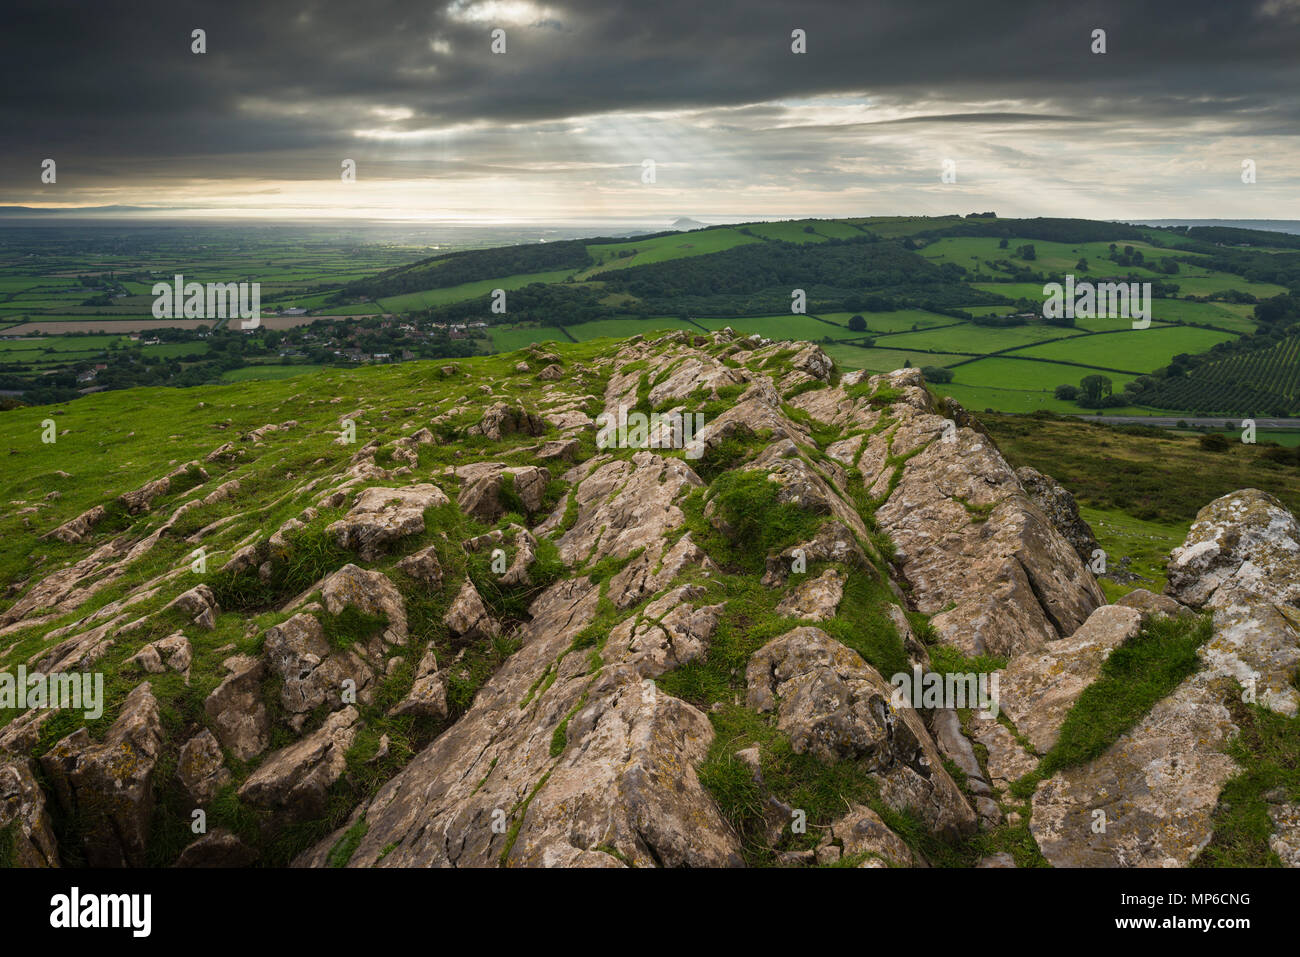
[420, 615]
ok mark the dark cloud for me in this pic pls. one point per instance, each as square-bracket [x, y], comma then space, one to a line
[114, 88]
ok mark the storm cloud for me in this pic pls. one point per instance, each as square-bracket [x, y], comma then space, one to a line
[736, 123]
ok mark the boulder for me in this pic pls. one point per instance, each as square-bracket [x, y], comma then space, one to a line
[24, 817]
[199, 605]
[217, 848]
[236, 709]
[468, 619]
[815, 599]
[201, 768]
[313, 670]
[294, 781]
[382, 516]
[861, 833]
[428, 695]
[108, 785]
[369, 592]
[1061, 510]
[502, 419]
[833, 705]
[483, 496]
[1150, 605]
[423, 566]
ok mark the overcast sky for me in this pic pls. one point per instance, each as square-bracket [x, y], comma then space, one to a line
[556, 129]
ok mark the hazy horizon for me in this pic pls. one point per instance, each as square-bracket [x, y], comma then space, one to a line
[558, 127]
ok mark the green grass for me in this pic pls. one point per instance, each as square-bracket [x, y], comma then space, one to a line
[662, 249]
[1136, 675]
[1268, 750]
[1139, 350]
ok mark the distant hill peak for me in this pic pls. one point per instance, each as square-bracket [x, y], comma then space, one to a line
[685, 222]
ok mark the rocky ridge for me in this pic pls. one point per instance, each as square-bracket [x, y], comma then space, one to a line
[479, 639]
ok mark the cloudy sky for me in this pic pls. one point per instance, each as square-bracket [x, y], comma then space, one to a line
[557, 128]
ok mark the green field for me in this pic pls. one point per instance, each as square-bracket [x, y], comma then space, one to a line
[108, 284]
[468, 290]
[901, 320]
[1027, 375]
[1138, 350]
[882, 360]
[700, 243]
[979, 340]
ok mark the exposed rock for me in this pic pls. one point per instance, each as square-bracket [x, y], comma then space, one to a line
[1007, 760]
[468, 618]
[482, 497]
[217, 848]
[815, 599]
[832, 543]
[982, 559]
[428, 695]
[525, 547]
[423, 566]
[559, 449]
[172, 652]
[1061, 510]
[1285, 841]
[200, 605]
[109, 785]
[551, 373]
[1000, 859]
[1242, 559]
[313, 671]
[1039, 689]
[201, 768]
[24, 817]
[1157, 786]
[832, 704]
[295, 780]
[625, 505]
[369, 592]
[502, 419]
[1150, 605]
[75, 530]
[382, 516]
[654, 569]
[623, 789]
[236, 710]
[140, 499]
[862, 832]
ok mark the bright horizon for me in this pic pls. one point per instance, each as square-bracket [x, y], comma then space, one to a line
[557, 128]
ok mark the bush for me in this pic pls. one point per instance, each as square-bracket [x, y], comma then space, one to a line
[1214, 442]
